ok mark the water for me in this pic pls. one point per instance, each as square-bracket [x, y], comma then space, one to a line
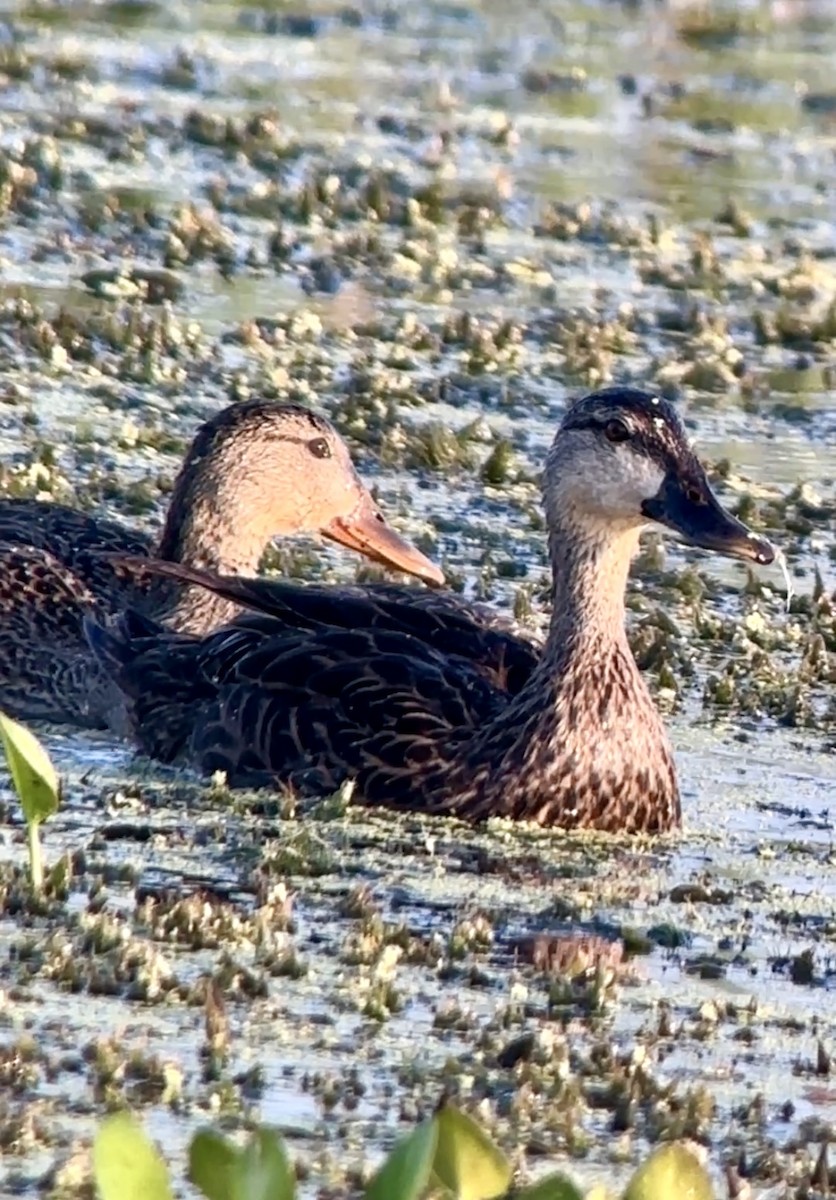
[658, 123]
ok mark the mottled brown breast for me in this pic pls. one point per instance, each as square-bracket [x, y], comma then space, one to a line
[589, 750]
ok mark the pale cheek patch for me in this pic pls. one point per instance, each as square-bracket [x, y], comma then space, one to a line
[632, 481]
[649, 477]
[608, 486]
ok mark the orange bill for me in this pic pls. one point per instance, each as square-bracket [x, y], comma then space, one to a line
[366, 531]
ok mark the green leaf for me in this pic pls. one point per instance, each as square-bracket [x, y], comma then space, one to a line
[671, 1170]
[264, 1169]
[261, 1171]
[35, 779]
[466, 1161]
[406, 1172]
[212, 1162]
[550, 1187]
[126, 1165]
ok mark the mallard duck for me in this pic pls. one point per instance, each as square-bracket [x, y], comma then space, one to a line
[255, 471]
[580, 743]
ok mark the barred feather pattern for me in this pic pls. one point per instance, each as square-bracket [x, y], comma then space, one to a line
[579, 742]
[440, 712]
[247, 476]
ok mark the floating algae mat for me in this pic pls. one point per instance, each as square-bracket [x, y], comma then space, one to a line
[436, 222]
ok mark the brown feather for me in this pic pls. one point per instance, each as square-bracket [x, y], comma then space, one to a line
[249, 475]
[310, 690]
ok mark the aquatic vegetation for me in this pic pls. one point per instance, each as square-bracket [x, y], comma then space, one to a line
[497, 206]
[37, 785]
[447, 1157]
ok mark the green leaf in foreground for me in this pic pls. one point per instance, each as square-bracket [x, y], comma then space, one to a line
[34, 777]
[126, 1165]
[265, 1171]
[36, 783]
[671, 1170]
[261, 1171]
[550, 1187]
[406, 1172]
[466, 1161]
[212, 1162]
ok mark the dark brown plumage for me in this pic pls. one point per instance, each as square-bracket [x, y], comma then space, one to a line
[369, 694]
[254, 471]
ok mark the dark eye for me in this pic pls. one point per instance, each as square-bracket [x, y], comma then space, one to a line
[319, 448]
[616, 431]
[694, 495]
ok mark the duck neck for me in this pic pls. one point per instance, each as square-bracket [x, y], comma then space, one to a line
[590, 567]
[581, 744]
[211, 530]
[209, 526]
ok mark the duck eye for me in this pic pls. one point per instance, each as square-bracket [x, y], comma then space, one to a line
[616, 431]
[694, 495]
[319, 448]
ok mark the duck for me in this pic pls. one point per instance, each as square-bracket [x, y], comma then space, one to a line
[255, 470]
[580, 744]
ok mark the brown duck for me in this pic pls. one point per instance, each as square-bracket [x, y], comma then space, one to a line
[580, 743]
[255, 471]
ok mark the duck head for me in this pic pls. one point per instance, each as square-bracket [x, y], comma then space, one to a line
[621, 460]
[260, 470]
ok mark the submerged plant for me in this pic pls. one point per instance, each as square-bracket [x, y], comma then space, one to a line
[447, 1157]
[37, 785]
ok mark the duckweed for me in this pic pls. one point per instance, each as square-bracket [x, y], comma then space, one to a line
[438, 274]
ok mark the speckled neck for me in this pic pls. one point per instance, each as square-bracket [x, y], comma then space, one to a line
[590, 566]
[215, 522]
[582, 744]
[210, 526]
[208, 543]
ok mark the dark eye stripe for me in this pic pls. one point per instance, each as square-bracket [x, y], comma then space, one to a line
[657, 444]
[599, 423]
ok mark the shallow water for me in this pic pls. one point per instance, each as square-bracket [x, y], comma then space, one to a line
[658, 123]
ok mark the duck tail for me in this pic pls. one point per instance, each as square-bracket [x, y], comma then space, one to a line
[272, 596]
[157, 674]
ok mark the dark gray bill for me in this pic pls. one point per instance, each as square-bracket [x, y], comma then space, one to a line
[690, 507]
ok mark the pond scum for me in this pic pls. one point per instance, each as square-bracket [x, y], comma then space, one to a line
[435, 222]
[446, 1156]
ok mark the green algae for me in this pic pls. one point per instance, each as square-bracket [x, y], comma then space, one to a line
[437, 250]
